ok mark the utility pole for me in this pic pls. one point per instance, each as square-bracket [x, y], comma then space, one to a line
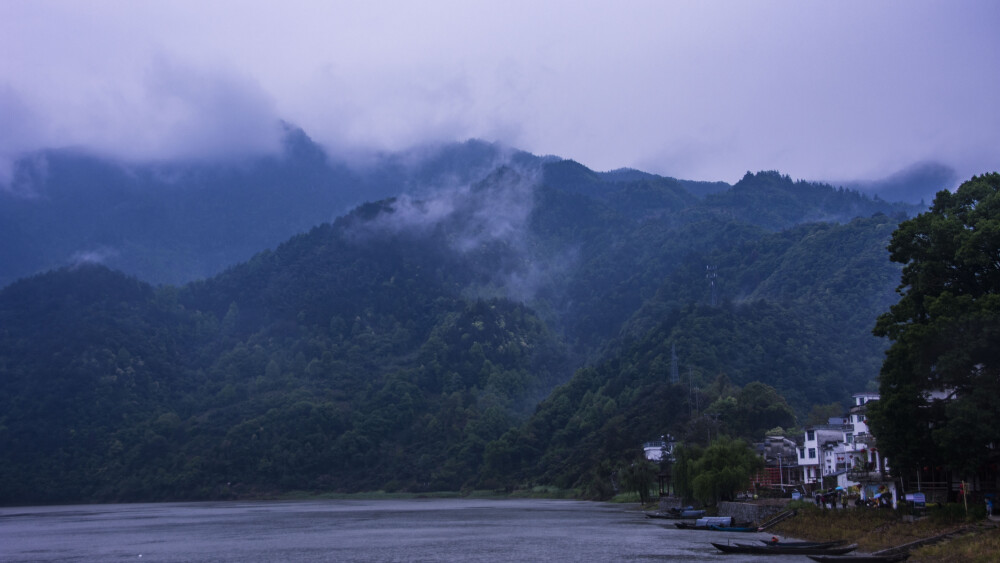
[674, 370]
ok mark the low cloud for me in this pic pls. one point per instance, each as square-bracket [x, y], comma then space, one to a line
[494, 211]
[98, 255]
[171, 111]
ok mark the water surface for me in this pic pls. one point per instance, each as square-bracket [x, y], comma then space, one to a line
[354, 530]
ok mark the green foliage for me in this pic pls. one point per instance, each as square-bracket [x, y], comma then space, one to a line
[683, 469]
[821, 414]
[639, 477]
[716, 473]
[945, 333]
[362, 355]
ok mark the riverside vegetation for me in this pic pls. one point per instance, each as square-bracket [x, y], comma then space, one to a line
[874, 530]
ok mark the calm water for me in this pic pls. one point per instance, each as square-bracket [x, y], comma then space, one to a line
[389, 530]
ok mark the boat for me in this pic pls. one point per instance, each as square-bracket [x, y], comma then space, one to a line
[834, 543]
[670, 516]
[690, 526]
[861, 558]
[676, 514]
[734, 529]
[709, 527]
[749, 549]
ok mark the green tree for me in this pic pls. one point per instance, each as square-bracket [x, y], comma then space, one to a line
[821, 414]
[757, 408]
[940, 381]
[684, 458]
[724, 469]
[639, 477]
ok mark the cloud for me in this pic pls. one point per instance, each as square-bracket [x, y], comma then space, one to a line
[495, 209]
[688, 89]
[98, 255]
[493, 215]
[170, 111]
[18, 132]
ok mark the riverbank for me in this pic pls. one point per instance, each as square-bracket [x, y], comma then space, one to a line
[540, 492]
[876, 530]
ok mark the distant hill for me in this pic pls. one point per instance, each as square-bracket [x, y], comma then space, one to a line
[917, 184]
[515, 328]
[173, 222]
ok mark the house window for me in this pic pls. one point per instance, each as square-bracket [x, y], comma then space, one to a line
[849, 438]
[812, 453]
[810, 435]
[802, 453]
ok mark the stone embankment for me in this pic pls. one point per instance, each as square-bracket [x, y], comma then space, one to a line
[750, 512]
[757, 511]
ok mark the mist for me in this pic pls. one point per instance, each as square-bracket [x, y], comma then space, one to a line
[854, 91]
[490, 214]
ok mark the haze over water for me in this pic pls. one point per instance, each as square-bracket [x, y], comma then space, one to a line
[348, 530]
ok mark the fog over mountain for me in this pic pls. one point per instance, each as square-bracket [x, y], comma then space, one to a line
[854, 91]
[914, 184]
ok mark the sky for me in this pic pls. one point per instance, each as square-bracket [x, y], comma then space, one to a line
[704, 90]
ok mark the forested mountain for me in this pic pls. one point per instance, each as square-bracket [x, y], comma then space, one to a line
[803, 334]
[173, 222]
[406, 344]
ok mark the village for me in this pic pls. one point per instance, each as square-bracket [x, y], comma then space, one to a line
[838, 464]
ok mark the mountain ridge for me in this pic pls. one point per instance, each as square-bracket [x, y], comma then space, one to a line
[464, 338]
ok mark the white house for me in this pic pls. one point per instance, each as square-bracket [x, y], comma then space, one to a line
[845, 448]
[659, 449]
[811, 457]
[859, 443]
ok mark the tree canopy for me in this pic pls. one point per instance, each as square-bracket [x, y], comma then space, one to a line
[717, 472]
[940, 382]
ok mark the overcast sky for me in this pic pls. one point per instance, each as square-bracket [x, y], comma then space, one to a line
[698, 90]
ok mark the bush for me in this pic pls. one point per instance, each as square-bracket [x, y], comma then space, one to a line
[954, 512]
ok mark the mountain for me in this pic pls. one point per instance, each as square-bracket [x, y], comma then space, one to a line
[346, 358]
[796, 311]
[516, 328]
[916, 184]
[173, 222]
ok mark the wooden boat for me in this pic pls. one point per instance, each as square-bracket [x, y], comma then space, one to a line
[710, 527]
[669, 516]
[834, 543]
[861, 558]
[678, 515]
[734, 529]
[690, 526]
[748, 549]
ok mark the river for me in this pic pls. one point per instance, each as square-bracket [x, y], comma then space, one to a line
[354, 530]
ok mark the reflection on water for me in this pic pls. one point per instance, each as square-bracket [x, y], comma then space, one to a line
[349, 530]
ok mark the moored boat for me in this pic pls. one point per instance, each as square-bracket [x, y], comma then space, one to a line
[745, 529]
[861, 558]
[699, 525]
[749, 549]
[834, 543]
[688, 513]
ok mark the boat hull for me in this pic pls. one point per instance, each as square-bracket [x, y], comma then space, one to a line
[777, 550]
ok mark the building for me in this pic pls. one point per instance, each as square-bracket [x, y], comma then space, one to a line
[781, 470]
[811, 456]
[659, 450]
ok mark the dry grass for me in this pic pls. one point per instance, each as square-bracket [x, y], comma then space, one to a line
[873, 530]
[978, 547]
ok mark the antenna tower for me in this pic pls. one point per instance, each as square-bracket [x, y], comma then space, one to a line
[711, 275]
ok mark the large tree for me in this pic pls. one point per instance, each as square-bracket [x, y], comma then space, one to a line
[940, 382]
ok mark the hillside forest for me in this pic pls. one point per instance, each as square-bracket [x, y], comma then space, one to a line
[531, 322]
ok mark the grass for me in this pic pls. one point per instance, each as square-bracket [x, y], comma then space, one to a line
[874, 530]
[978, 547]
